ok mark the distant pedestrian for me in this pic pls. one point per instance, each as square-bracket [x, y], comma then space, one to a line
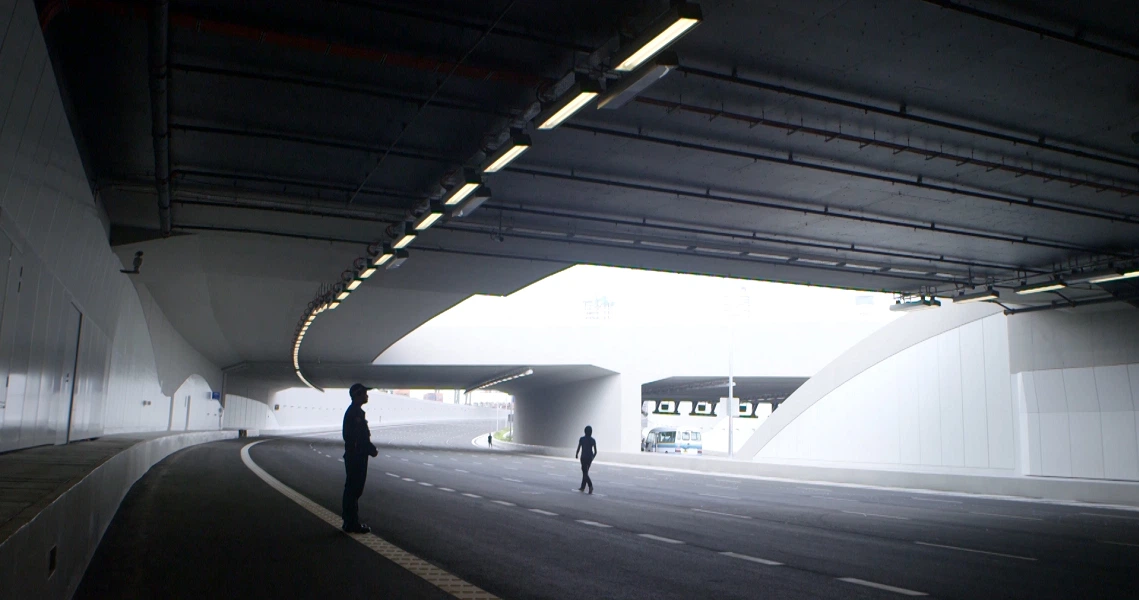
[357, 448]
[587, 449]
[490, 440]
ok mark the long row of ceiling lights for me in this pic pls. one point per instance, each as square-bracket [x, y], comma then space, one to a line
[631, 63]
[503, 379]
[1054, 283]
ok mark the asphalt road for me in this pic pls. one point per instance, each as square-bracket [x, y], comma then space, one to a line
[516, 526]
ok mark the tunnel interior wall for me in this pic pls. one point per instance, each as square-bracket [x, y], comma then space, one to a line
[1076, 382]
[557, 416]
[65, 306]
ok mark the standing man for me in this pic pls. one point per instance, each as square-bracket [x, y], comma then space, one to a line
[490, 440]
[587, 448]
[357, 448]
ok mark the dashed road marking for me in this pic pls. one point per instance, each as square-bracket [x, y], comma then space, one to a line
[404, 459]
[543, 512]
[417, 566]
[834, 498]
[973, 512]
[1120, 543]
[851, 512]
[594, 524]
[762, 561]
[935, 500]
[462, 471]
[721, 487]
[472, 495]
[722, 514]
[392, 475]
[424, 483]
[504, 503]
[882, 586]
[976, 551]
[409, 479]
[428, 465]
[443, 489]
[510, 468]
[1110, 516]
[718, 496]
[514, 480]
[659, 538]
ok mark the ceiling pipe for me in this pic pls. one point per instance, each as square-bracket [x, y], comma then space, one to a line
[160, 108]
[1078, 39]
[806, 209]
[912, 181]
[897, 148]
[1038, 141]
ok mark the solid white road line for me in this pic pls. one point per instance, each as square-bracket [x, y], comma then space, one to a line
[762, 561]
[974, 512]
[888, 588]
[504, 503]
[443, 489]
[977, 551]
[834, 498]
[424, 483]
[594, 524]
[462, 471]
[721, 487]
[851, 512]
[722, 514]
[718, 496]
[429, 572]
[514, 480]
[510, 468]
[1110, 516]
[1120, 543]
[659, 538]
[543, 512]
[472, 495]
[935, 500]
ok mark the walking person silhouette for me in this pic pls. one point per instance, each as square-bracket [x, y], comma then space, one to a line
[587, 449]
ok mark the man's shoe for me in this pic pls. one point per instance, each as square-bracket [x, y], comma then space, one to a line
[591, 491]
[581, 489]
[357, 529]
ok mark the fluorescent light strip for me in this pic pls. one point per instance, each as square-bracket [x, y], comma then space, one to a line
[663, 245]
[716, 250]
[813, 261]
[342, 295]
[381, 259]
[597, 238]
[404, 241]
[366, 273]
[863, 267]
[767, 256]
[977, 297]
[568, 110]
[332, 305]
[1040, 287]
[658, 43]
[907, 271]
[462, 192]
[501, 162]
[355, 283]
[428, 220]
[1133, 273]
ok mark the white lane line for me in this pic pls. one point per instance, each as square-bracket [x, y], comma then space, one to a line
[409, 479]
[504, 503]
[340, 459]
[935, 500]
[882, 586]
[722, 514]
[718, 496]
[543, 512]
[510, 468]
[1110, 516]
[762, 561]
[443, 489]
[429, 572]
[659, 538]
[834, 498]
[428, 465]
[721, 487]
[392, 475]
[425, 484]
[1119, 543]
[977, 551]
[974, 512]
[594, 524]
[851, 512]
[514, 480]
[472, 495]
[462, 471]
[404, 459]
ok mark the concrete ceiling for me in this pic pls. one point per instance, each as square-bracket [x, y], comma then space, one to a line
[714, 388]
[894, 145]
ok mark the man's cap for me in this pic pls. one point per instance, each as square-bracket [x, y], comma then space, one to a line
[357, 388]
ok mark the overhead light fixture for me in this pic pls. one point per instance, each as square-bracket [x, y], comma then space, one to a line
[662, 33]
[914, 305]
[352, 285]
[332, 305]
[516, 145]
[407, 237]
[981, 296]
[427, 219]
[471, 182]
[630, 86]
[397, 259]
[384, 256]
[1036, 288]
[572, 101]
[342, 295]
[368, 272]
[1106, 275]
[481, 195]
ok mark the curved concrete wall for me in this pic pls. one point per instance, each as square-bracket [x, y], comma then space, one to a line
[557, 416]
[244, 413]
[56, 263]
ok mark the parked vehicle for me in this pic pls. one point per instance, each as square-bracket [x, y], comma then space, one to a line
[673, 441]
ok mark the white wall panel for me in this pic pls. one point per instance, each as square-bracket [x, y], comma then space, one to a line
[1080, 390]
[1055, 445]
[1087, 444]
[1113, 388]
[974, 400]
[60, 257]
[929, 399]
[1120, 447]
[1029, 382]
[1035, 461]
[949, 385]
[1050, 393]
[1000, 406]
[909, 412]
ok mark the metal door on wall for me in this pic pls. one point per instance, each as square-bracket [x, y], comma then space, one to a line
[68, 369]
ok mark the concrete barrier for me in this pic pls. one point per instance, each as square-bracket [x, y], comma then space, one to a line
[45, 550]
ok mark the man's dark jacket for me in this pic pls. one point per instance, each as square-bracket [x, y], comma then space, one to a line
[357, 436]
